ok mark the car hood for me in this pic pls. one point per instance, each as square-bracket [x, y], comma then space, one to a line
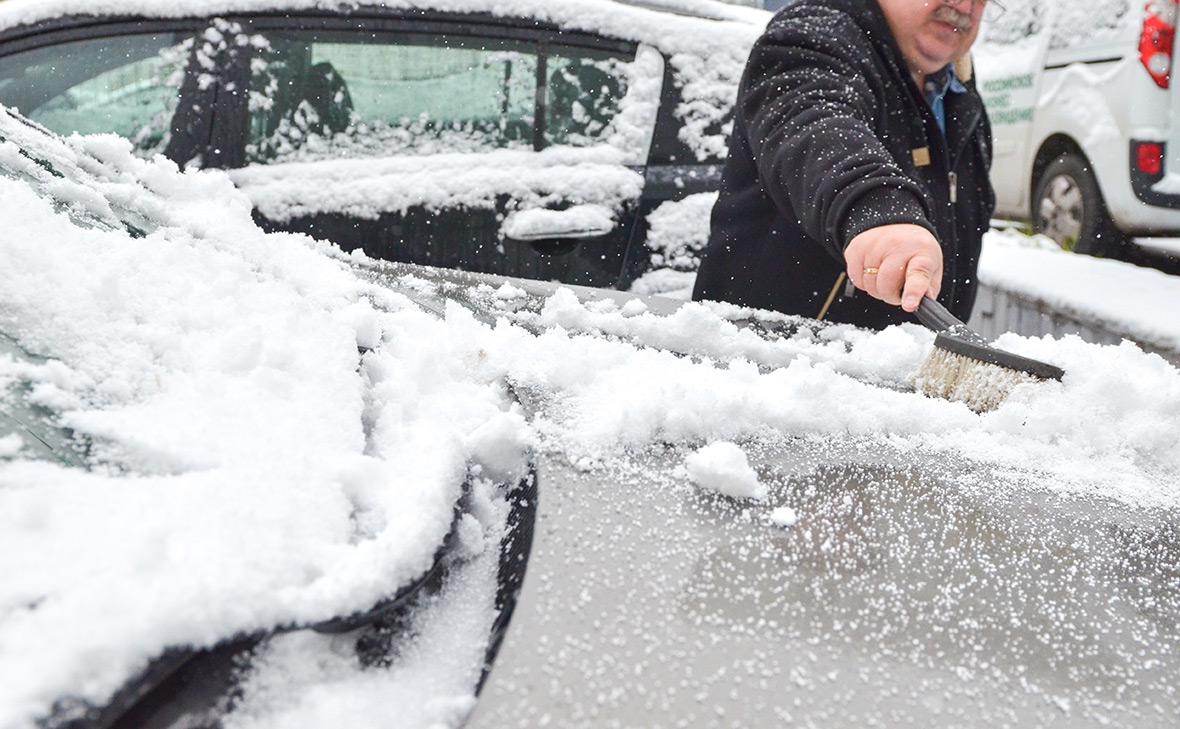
[878, 582]
[908, 592]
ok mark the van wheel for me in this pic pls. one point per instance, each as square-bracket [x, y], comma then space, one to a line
[1068, 208]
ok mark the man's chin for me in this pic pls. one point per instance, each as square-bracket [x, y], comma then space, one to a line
[935, 56]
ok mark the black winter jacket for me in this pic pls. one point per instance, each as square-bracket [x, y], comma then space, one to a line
[827, 142]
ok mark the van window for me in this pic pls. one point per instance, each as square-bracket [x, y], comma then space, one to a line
[326, 95]
[126, 85]
[1085, 21]
[1022, 19]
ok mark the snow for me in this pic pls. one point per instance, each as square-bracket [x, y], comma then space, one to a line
[784, 516]
[368, 188]
[723, 467]
[11, 445]
[234, 430]
[1139, 302]
[665, 282]
[1169, 246]
[576, 221]
[310, 680]
[678, 231]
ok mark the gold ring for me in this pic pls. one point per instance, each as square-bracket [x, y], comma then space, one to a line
[872, 271]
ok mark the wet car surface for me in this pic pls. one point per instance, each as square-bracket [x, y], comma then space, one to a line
[922, 595]
[907, 589]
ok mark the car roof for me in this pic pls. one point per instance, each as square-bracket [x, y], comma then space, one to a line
[671, 25]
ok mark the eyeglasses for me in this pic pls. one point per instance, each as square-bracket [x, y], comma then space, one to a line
[992, 9]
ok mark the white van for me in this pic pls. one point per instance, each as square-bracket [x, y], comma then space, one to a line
[1083, 110]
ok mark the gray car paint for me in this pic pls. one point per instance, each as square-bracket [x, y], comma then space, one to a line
[908, 594]
[911, 592]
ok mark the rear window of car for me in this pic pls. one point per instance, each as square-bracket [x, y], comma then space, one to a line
[332, 94]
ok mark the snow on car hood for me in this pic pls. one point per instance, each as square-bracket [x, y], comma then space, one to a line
[616, 377]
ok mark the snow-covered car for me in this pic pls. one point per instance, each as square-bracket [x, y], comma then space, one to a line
[694, 514]
[531, 138]
[1084, 108]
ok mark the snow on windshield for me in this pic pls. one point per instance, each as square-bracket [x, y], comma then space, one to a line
[249, 469]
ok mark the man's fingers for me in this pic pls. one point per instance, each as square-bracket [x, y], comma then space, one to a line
[855, 260]
[919, 280]
[896, 263]
[890, 278]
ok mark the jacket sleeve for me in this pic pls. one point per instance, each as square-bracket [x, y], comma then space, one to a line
[808, 103]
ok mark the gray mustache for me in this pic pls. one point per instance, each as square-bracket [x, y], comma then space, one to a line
[947, 14]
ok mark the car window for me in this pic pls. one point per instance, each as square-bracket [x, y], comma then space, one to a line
[583, 95]
[127, 85]
[325, 95]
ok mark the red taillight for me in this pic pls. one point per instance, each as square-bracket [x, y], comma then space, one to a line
[1155, 41]
[1149, 158]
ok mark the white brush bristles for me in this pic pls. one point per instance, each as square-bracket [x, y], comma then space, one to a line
[979, 385]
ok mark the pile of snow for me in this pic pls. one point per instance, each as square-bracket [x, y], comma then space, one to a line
[698, 375]
[784, 516]
[724, 468]
[367, 188]
[678, 231]
[1135, 301]
[542, 222]
[248, 468]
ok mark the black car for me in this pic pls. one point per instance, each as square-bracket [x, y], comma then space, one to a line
[532, 142]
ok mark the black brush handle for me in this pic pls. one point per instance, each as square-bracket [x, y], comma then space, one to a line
[935, 316]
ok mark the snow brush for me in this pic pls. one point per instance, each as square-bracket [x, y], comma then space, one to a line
[964, 368]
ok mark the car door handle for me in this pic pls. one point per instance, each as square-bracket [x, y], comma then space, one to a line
[577, 223]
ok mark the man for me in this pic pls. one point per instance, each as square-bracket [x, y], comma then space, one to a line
[861, 149]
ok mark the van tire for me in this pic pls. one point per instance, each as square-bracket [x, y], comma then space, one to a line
[1068, 208]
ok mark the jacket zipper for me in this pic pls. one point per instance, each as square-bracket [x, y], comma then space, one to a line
[951, 159]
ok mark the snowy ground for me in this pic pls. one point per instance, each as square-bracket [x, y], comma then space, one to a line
[1136, 301]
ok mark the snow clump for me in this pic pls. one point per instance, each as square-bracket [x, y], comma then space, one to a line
[724, 468]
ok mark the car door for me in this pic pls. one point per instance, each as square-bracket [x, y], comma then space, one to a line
[474, 144]
[138, 80]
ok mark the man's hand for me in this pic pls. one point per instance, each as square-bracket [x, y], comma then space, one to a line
[897, 264]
